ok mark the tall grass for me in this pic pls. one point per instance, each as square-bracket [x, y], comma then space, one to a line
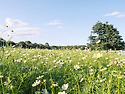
[35, 71]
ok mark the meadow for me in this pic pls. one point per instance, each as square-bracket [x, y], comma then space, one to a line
[36, 71]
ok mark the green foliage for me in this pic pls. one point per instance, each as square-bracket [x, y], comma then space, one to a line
[29, 44]
[84, 72]
[22, 44]
[47, 45]
[2, 42]
[10, 43]
[104, 36]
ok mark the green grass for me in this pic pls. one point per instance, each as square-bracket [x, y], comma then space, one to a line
[97, 73]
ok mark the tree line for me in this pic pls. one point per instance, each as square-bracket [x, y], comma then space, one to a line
[103, 37]
[30, 45]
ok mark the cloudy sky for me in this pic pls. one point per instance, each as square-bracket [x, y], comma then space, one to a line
[58, 22]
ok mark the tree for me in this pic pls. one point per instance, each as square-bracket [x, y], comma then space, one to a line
[28, 44]
[105, 36]
[10, 43]
[41, 46]
[54, 47]
[2, 42]
[35, 45]
[22, 44]
[47, 45]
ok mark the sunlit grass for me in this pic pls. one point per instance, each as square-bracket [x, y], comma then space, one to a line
[36, 71]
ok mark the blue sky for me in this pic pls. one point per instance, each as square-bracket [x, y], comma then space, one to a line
[58, 22]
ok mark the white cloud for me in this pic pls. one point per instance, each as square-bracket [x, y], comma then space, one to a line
[60, 27]
[28, 29]
[116, 14]
[15, 22]
[18, 25]
[112, 14]
[121, 15]
[21, 29]
[55, 22]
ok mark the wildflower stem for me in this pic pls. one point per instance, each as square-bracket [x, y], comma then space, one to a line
[2, 86]
[118, 79]
[51, 83]
[12, 91]
[79, 92]
[118, 85]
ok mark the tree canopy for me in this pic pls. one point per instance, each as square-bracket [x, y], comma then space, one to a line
[104, 36]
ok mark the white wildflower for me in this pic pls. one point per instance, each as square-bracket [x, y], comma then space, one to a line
[91, 70]
[18, 61]
[83, 58]
[106, 58]
[55, 84]
[115, 75]
[62, 92]
[76, 67]
[37, 82]
[114, 71]
[11, 87]
[103, 80]
[97, 55]
[33, 60]
[103, 69]
[81, 80]
[25, 61]
[110, 64]
[55, 66]
[120, 77]
[39, 77]
[65, 86]
[1, 76]
[8, 82]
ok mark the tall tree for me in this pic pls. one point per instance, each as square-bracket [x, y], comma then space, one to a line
[105, 36]
[2, 42]
[28, 44]
[47, 45]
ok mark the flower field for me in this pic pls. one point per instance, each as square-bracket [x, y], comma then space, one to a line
[36, 71]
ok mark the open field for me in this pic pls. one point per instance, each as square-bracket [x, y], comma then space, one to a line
[35, 71]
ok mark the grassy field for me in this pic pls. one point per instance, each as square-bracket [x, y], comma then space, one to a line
[35, 71]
